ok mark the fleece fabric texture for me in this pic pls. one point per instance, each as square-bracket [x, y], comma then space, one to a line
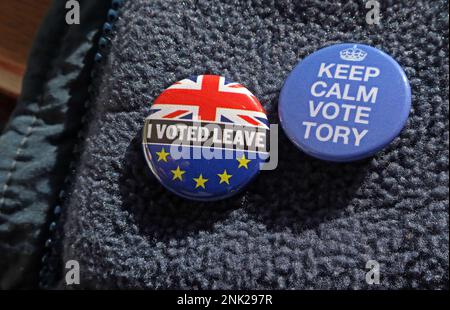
[309, 224]
[36, 145]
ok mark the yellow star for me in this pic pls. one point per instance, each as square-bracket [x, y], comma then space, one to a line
[162, 155]
[178, 174]
[243, 162]
[200, 182]
[224, 177]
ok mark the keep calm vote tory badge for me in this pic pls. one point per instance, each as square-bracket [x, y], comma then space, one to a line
[205, 137]
[345, 102]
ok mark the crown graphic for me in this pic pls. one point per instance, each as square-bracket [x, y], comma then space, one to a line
[353, 54]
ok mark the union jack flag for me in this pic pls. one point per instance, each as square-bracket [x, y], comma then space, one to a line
[209, 98]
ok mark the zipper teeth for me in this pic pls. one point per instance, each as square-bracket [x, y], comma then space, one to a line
[51, 264]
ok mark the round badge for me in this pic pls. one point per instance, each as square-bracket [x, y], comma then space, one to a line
[345, 102]
[206, 137]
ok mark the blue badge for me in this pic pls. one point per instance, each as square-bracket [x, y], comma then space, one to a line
[345, 102]
[205, 137]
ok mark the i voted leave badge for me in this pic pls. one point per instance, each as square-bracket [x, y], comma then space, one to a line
[205, 137]
[345, 102]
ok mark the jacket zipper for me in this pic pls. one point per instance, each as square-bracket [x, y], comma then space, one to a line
[51, 271]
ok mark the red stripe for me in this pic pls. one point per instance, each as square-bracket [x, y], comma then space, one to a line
[249, 120]
[175, 114]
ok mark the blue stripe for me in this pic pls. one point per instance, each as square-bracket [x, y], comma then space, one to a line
[224, 119]
[188, 116]
[193, 78]
[263, 120]
[152, 111]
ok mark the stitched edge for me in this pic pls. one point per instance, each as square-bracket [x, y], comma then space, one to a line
[21, 146]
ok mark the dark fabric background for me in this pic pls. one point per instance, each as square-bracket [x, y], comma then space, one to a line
[309, 224]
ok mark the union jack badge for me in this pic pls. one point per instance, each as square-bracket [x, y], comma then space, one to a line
[206, 137]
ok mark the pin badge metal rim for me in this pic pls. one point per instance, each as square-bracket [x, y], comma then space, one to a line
[148, 158]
